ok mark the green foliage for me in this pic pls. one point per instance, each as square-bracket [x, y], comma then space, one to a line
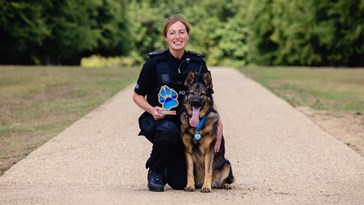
[61, 32]
[96, 61]
[71, 24]
[22, 26]
[217, 29]
[114, 36]
[260, 46]
[293, 22]
[145, 27]
[340, 28]
[306, 32]
[232, 32]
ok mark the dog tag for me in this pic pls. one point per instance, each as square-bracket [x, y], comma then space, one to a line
[197, 136]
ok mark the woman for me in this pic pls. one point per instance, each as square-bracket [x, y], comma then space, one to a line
[160, 87]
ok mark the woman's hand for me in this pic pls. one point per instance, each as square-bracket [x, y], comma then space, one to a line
[143, 103]
[218, 137]
[157, 113]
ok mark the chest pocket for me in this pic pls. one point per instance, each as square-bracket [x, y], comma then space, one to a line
[165, 78]
[164, 72]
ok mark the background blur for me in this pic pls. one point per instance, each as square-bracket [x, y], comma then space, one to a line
[230, 32]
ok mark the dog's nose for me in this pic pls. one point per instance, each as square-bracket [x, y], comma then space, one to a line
[196, 103]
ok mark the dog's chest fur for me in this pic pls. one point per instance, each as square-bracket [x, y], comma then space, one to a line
[208, 132]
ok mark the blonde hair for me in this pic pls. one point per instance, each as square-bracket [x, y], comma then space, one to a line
[173, 19]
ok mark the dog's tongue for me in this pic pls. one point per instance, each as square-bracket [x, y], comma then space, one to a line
[195, 117]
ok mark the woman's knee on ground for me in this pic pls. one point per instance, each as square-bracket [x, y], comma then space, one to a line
[167, 131]
[177, 184]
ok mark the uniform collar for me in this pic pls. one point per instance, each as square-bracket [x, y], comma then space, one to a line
[174, 58]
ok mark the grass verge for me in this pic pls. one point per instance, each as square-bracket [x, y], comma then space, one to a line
[36, 103]
[318, 88]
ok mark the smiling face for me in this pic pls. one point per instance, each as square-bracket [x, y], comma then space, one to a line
[177, 37]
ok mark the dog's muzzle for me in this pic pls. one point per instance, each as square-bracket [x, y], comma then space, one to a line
[195, 102]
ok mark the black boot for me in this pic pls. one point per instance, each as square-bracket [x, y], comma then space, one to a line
[155, 181]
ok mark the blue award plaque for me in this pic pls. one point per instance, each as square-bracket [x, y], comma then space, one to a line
[168, 98]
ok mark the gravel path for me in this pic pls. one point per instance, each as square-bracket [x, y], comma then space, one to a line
[278, 156]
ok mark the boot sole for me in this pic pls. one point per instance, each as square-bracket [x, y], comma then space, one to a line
[156, 189]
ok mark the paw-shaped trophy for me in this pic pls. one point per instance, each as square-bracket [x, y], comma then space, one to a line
[168, 98]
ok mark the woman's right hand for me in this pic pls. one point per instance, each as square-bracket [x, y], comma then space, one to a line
[143, 103]
[157, 113]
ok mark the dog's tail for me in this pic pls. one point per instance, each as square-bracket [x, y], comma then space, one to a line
[230, 179]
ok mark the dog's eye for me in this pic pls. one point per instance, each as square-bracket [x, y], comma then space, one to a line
[191, 93]
[201, 93]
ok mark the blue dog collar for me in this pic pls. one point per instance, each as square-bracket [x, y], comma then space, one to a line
[197, 135]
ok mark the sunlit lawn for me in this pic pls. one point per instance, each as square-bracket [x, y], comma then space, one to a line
[36, 103]
[318, 88]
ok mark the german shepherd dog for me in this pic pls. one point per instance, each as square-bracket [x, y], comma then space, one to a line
[205, 169]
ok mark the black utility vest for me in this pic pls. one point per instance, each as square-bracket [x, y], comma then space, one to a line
[173, 77]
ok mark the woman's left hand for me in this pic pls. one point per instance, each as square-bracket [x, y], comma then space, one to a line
[218, 137]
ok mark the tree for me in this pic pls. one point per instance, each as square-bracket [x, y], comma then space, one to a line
[293, 24]
[340, 32]
[61, 32]
[261, 48]
[233, 32]
[112, 26]
[72, 31]
[323, 33]
[22, 27]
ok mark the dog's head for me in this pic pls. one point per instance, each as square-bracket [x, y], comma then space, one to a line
[198, 100]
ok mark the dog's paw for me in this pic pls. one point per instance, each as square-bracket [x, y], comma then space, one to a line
[226, 186]
[190, 188]
[168, 97]
[205, 189]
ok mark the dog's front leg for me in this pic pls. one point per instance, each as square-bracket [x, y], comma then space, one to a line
[189, 162]
[190, 176]
[206, 187]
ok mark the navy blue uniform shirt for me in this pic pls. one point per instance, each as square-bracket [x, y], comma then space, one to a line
[148, 83]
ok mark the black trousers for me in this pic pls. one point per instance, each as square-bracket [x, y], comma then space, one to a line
[167, 156]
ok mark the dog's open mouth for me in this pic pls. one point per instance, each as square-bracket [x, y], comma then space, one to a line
[195, 116]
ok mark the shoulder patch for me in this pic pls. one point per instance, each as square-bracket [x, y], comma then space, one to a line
[154, 53]
[197, 54]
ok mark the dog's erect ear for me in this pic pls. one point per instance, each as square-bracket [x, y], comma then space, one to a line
[207, 79]
[190, 79]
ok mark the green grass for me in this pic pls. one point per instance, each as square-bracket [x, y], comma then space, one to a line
[36, 103]
[318, 88]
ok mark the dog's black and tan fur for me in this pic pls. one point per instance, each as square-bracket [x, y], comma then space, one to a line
[205, 169]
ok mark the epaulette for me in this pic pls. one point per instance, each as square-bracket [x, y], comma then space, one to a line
[197, 54]
[154, 53]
